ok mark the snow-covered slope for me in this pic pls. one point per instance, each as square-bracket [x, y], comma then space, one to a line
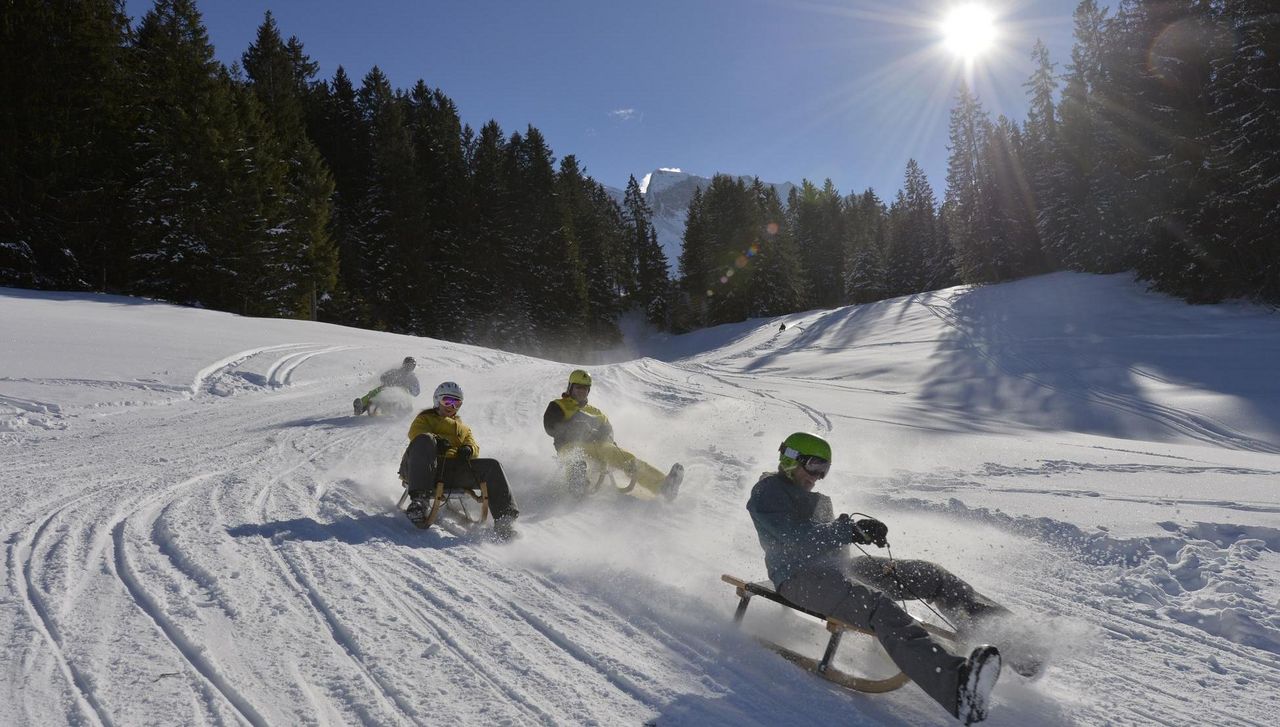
[198, 532]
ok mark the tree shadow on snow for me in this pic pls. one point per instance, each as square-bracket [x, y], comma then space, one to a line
[385, 527]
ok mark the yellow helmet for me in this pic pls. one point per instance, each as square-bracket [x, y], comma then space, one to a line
[579, 377]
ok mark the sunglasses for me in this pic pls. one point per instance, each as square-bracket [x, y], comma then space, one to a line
[451, 401]
[816, 466]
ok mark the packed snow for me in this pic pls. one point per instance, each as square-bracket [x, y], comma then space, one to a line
[198, 532]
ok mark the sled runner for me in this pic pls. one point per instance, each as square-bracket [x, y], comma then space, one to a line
[469, 507]
[582, 482]
[423, 464]
[838, 628]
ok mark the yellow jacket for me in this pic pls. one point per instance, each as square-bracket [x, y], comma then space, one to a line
[569, 423]
[451, 428]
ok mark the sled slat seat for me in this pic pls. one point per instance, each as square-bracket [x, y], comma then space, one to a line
[747, 590]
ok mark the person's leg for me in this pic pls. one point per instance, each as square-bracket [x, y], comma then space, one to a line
[364, 400]
[573, 463]
[912, 649]
[646, 475]
[418, 466]
[910, 579]
[501, 503]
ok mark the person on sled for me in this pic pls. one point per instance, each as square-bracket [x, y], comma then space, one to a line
[582, 433]
[806, 555]
[438, 436]
[401, 378]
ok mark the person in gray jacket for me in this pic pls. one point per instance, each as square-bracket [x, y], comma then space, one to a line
[806, 554]
[401, 378]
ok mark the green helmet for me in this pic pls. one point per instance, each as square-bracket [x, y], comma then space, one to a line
[801, 444]
[580, 377]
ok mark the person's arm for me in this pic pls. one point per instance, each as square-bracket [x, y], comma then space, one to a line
[553, 419]
[411, 383]
[420, 425]
[775, 515]
[467, 439]
[603, 429]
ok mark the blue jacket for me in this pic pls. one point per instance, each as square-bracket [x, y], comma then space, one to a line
[796, 527]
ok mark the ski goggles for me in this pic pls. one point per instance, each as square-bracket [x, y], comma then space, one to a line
[452, 401]
[816, 466]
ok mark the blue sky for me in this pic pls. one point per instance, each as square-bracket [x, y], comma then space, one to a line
[781, 89]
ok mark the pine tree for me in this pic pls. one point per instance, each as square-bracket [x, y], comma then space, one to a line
[390, 216]
[865, 225]
[817, 225]
[299, 259]
[653, 279]
[778, 286]
[491, 290]
[695, 267]
[343, 138]
[974, 234]
[1074, 220]
[593, 222]
[1007, 195]
[1040, 146]
[440, 171]
[1240, 220]
[915, 257]
[65, 119]
[551, 272]
[1167, 126]
[182, 218]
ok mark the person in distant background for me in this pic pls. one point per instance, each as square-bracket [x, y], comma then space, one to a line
[582, 432]
[401, 378]
[438, 436]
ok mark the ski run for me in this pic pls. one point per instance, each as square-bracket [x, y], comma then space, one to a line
[198, 532]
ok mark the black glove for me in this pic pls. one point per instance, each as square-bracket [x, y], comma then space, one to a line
[442, 446]
[466, 452]
[869, 531]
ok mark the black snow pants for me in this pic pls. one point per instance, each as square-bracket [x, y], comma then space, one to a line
[862, 592]
[418, 471]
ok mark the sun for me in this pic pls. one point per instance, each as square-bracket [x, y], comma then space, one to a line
[968, 31]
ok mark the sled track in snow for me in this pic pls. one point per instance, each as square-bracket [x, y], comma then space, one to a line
[292, 573]
[821, 421]
[191, 652]
[21, 554]
[282, 370]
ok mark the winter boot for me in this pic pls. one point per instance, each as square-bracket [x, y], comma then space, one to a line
[977, 678]
[418, 509]
[671, 485]
[504, 529]
[357, 406]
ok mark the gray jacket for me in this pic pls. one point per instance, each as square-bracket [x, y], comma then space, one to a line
[796, 528]
[402, 379]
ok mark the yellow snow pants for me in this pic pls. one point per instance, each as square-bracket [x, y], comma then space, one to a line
[610, 456]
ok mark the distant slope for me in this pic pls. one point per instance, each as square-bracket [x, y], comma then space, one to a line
[198, 532]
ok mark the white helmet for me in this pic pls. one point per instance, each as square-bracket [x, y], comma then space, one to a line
[448, 388]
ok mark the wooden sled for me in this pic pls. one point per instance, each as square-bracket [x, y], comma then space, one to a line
[837, 628]
[593, 485]
[459, 502]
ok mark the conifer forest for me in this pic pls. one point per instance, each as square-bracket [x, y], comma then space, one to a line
[136, 163]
